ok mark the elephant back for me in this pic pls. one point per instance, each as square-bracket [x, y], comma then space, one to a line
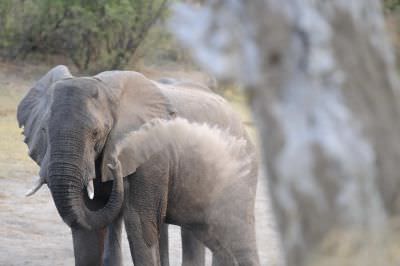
[203, 106]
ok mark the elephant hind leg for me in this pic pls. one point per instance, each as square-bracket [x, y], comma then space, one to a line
[242, 243]
[193, 251]
[231, 244]
[221, 255]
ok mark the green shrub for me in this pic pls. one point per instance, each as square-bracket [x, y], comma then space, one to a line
[391, 4]
[94, 34]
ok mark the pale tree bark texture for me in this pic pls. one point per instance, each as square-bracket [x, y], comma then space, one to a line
[322, 85]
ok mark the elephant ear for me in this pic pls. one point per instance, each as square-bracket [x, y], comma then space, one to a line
[129, 154]
[136, 147]
[136, 100]
[32, 112]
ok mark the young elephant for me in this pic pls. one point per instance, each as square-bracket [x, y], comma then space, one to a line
[191, 175]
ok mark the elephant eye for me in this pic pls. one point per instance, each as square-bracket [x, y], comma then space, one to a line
[99, 146]
[96, 147]
[95, 134]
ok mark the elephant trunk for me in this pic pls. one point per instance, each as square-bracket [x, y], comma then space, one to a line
[67, 187]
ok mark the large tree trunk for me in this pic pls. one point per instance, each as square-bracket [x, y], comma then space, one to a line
[321, 81]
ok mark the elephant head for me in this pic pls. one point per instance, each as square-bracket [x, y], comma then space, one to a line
[71, 125]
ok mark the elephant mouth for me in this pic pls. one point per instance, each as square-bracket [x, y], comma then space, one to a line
[102, 190]
[102, 193]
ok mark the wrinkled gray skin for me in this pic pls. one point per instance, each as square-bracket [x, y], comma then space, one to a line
[72, 123]
[190, 175]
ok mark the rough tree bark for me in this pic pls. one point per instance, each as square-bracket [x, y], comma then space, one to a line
[322, 85]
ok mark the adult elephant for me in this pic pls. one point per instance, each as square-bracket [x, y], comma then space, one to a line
[72, 123]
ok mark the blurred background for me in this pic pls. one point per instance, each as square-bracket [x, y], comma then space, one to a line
[93, 36]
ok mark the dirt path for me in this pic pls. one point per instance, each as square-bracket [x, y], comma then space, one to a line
[31, 232]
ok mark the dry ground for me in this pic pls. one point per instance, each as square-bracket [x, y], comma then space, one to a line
[31, 232]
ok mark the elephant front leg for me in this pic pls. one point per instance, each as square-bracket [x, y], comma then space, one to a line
[88, 246]
[113, 244]
[164, 245]
[143, 239]
[193, 251]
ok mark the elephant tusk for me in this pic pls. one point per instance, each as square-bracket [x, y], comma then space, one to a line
[90, 189]
[37, 185]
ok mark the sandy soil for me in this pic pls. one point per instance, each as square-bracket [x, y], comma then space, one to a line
[31, 232]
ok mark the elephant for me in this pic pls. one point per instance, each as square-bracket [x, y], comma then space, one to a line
[70, 126]
[192, 175]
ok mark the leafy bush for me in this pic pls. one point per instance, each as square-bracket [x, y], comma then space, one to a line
[94, 34]
[391, 4]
